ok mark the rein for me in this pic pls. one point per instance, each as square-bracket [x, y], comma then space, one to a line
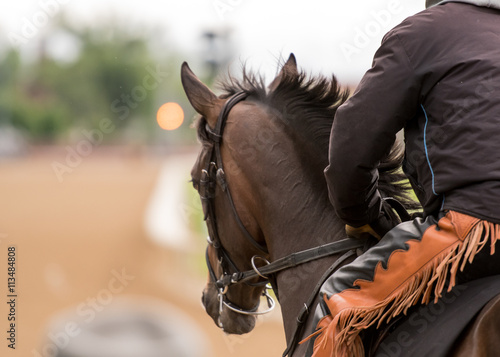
[289, 261]
[213, 175]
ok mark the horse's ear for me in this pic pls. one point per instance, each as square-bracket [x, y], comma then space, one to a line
[290, 67]
[203, 100]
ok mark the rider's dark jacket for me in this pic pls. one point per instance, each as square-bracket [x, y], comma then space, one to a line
[437, 75]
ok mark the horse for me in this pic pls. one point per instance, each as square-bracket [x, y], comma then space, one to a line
[259, 174]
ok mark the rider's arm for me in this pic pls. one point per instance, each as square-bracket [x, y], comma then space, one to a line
[364, 131]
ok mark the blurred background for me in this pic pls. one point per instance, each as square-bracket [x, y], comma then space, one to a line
[96, 147]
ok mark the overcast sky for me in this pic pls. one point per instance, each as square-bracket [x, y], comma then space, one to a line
[326, 36]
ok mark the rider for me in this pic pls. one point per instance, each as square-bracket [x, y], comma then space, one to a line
[437, 76]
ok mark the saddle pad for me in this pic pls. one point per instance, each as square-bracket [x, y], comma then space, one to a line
[431, 330]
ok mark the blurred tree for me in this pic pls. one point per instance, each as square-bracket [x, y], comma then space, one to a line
[110, 73]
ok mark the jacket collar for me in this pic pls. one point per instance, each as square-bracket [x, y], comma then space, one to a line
[485, 3]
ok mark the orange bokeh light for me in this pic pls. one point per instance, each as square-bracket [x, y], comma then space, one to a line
[170, 116]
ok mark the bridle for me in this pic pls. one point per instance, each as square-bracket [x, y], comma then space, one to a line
[212, 175]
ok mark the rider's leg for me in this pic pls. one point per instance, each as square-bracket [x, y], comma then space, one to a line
[414, 262]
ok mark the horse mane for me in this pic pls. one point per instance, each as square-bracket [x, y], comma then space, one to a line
[308, 105]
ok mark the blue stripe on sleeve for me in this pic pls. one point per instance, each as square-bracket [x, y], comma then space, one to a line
[426, 151]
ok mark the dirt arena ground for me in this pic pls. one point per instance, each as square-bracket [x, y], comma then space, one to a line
[72, 237]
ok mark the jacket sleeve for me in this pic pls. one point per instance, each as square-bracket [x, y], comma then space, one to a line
[364, 130]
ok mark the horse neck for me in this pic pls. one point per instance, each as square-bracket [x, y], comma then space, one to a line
[295, 214]
[307, 221]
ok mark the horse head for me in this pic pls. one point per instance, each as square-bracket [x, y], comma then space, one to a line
[220, 175]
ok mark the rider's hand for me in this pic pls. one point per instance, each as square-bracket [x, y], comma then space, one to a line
[362, 232]
[387, 220]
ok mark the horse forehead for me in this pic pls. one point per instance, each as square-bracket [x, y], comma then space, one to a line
[247, 117]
